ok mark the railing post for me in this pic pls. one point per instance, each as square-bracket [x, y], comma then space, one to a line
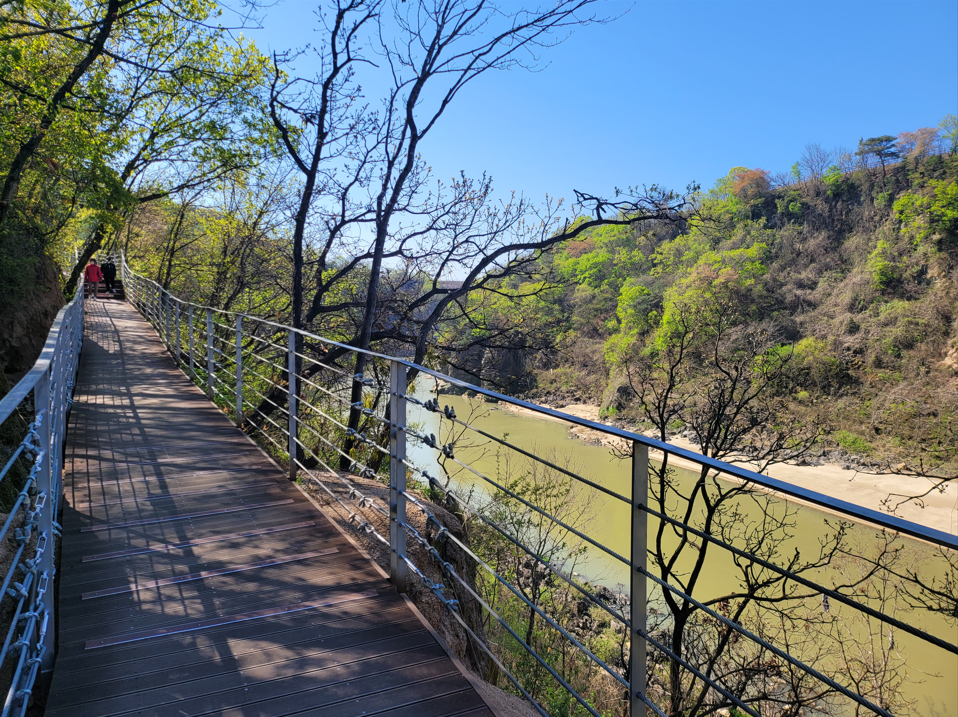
[45, 487]
[210, 364]
[189, 318]
[637, 613]
[178, 353]
[293, 405]
[397, 475]
[239, 370]
[169, 322]
[166, 321]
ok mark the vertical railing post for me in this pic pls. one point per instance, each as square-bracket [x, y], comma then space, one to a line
[239, 370]
[189, 318]
[210, 364]
[397, 475]
[177, 332]
[59, 378]
[45, 487]
[293, 404]
[637, 614]
[169, 321]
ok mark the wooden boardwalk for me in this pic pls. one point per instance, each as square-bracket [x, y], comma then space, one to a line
[196, 580]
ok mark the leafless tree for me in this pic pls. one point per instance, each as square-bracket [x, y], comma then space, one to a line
[814, 161]
[719, 378]
[845, 159]
[918, 144]
[382, 234]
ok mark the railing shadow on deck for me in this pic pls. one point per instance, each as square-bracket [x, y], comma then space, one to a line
[777, 640]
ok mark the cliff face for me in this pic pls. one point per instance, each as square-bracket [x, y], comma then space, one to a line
[27, 315]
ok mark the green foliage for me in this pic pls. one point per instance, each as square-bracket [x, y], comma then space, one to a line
[681, 254]
[790, 204]
[21, 246]
[882, 267]
[926, 215]
[852, 443]
[883, 148]
[723, 289]
[633, 306]
[834, 179]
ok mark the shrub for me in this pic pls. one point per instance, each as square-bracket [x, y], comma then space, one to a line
[884, 271]
[852, 443]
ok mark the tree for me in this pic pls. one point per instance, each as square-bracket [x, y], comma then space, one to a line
[815, 160]
[368, 197]
[559, 496]
[715, 369]
[88, 35]
[918, 144]
[752, 184]
[882, 148]
[949, 132]
[188, 113]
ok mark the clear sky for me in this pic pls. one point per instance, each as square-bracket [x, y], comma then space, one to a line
[676, 91]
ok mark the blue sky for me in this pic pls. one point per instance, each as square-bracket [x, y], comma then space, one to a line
[679, 91]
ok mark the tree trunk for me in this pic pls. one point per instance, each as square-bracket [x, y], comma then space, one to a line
[675, 669]
[365, 335]
[91, 248]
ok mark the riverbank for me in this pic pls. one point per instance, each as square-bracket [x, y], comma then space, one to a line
[938, 510]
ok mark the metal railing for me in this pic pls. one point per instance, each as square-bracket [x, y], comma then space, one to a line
[34, 417]
[298, 401]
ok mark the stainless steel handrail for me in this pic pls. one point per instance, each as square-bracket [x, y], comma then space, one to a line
[147, 295]
[42, 398]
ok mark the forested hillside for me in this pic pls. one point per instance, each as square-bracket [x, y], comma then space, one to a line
[850, 272]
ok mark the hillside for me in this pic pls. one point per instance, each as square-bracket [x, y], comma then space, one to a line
[858, 273]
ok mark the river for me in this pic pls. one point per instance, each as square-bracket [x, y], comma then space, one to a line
[932, 673]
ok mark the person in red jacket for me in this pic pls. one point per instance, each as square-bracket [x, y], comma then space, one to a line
[94, 276]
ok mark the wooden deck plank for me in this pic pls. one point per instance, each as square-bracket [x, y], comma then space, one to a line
[182, 651]
[282, 628]
[196, 580]
[207, 676]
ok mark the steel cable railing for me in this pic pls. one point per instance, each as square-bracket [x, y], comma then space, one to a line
[37, 410]
[300, 407]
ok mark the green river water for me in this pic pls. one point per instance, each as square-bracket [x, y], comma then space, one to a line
[932, 672]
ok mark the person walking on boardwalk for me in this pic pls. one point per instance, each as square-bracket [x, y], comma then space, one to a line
[109, 275]
[93, 276]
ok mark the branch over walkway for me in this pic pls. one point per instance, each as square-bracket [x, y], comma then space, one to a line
[197, 580]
